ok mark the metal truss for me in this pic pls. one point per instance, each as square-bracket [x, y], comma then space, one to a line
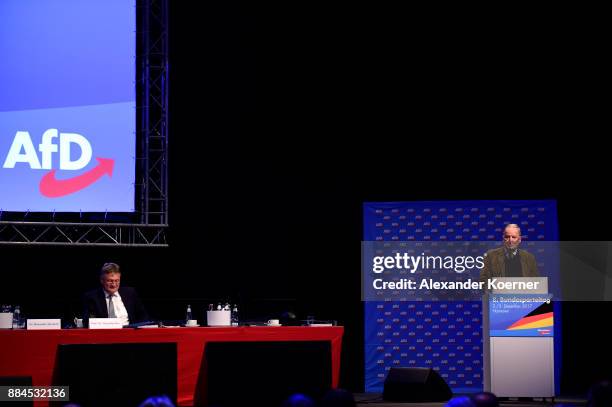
[149, 224]
[82, 234]
[152, 59]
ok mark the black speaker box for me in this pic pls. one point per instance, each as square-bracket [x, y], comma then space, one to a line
[118, 374]
[415, 384]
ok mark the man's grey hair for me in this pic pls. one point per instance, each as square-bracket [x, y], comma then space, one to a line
[513, 226]
[109, 268]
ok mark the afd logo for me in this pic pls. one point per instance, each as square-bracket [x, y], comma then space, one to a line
[23, 151]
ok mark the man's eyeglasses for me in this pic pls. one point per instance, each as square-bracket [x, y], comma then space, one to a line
[112, 281]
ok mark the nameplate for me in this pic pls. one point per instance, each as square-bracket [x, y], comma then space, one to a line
[105, 323]
[44, 324]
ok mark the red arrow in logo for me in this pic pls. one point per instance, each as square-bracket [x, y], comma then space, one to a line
[54, 188]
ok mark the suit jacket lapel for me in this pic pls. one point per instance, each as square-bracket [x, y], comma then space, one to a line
[523, 264]
[502, 263]
[102, 303]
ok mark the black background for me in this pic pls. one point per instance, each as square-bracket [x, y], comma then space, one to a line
[285, 119]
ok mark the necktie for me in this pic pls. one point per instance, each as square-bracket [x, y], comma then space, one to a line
[111, 307]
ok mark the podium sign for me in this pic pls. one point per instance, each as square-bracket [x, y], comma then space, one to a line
[518, 338]
[520, 315]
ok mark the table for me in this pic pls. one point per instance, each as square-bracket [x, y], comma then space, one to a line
[33, 353]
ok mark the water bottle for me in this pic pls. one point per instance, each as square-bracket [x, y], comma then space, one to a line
[235, 316]
[189, 316]
[17, 317]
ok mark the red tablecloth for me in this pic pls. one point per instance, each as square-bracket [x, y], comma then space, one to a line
[32, 353]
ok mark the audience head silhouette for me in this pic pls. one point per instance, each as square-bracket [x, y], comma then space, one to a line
[485, 399]
[298, 400]
[600, 394]
[157, 401]
[462, 401]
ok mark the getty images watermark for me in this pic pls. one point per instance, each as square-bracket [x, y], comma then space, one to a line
[569, 271]
[402, 261]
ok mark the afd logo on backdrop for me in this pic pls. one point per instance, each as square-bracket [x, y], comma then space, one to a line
[22, 150]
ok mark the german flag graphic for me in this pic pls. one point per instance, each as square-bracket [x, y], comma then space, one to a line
[538, 318]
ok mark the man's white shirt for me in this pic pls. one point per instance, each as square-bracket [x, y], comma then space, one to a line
[120, 311]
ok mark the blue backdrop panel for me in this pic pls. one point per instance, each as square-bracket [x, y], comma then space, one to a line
[446, 336]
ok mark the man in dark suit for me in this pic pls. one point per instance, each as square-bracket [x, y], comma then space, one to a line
[509, 260]
[113, 301]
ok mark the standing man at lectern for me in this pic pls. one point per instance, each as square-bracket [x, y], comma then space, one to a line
[113, 301]
[509, 260]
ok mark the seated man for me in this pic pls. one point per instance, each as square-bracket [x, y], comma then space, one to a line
[113, 301]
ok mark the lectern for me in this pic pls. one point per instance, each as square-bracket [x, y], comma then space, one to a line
[518, 338]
